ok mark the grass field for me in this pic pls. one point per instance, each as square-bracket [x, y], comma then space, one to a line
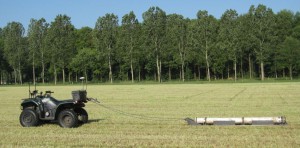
[110, 129]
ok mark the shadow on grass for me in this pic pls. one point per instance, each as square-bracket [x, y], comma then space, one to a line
[94, 120]
[54, 122]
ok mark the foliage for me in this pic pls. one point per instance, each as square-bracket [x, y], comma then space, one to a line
[162, 47]
[37, 32]
[263, 32]
[155, 31]
[61, 37]
[84, 38]
[84, 60]
[205, 36]
[177, 51]
[130, 42]
[106, 34]
[289, 54]
[14, 49]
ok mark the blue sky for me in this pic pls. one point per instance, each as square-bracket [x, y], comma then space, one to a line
[86, 12]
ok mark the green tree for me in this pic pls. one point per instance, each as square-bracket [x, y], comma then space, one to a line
[205, 36]
[195, 57]
[61, 36]
[155, 30]
[84, 38]
[228, 36]
[247, 39]
[296, 19]
[2, 60]
[106, 33]
[283, 28]
[37, 32]
[177, 38]
[85, 59]
[263, 23]
[289, 54]
[296, 32]
[14, 51]
[130, 35]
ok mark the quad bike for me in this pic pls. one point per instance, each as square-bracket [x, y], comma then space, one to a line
[43, 107]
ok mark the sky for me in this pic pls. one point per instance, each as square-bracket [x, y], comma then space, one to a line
[86, 12]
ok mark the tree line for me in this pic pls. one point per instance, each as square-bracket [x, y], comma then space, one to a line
[163, 47]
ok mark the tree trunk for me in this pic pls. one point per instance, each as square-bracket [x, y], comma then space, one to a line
[170, 74]
[276, 76]
[33, 71]
[55, 75]
[1, 77]
[262, 70]
[241, 70]
[195, 73]
[234, 67]
[199, 72]
[110, 70]
[63, 72]
[180, 78]
[207, 65]
[222, 75]
[132, 74]
[20, 73]
[69, 77]
[76, 77]
[182, 64]
[182, 61]
[43, 68]
[85, 74]
[131, 63]
[228, 74]
[158, 68]
[250, 66]
[15, 75]
[159, 71]
[215, 76]
[139, 74]
[291, 72]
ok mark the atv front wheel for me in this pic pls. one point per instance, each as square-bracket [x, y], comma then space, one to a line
[68, 118]
[29, 118]
[82, 115]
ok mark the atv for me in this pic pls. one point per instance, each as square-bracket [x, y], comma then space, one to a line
[43, 107]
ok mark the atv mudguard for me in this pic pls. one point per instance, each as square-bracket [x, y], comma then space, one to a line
[29, 103]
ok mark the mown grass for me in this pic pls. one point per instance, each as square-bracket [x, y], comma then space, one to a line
[110, 129]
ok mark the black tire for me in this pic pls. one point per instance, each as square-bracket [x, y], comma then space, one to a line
[82, 115]
[29, 118]
[68, 119]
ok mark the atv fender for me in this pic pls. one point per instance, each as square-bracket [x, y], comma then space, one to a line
[30, 103]
[62, 107]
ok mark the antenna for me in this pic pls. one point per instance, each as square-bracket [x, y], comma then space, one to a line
[85, 84]
[82, 78]
[29, 90]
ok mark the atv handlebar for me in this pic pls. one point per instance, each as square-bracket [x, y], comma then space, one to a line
[49, 92]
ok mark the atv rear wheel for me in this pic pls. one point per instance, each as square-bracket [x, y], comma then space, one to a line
[68, 119]
[82, 115]
[29, 117]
